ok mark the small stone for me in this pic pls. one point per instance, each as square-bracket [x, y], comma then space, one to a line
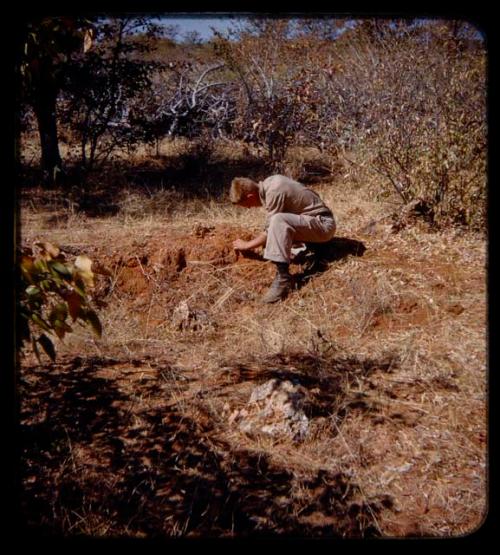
[185, 318]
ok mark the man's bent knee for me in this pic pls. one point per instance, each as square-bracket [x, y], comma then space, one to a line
[278, 219]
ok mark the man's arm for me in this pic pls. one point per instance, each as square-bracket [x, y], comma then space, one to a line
[258, 241]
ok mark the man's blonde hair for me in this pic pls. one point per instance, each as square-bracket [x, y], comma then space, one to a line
[240, 187]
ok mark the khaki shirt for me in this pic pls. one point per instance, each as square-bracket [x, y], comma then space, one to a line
[282, 194]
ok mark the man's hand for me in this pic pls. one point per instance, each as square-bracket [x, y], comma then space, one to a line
[259, 241]
[240, 245]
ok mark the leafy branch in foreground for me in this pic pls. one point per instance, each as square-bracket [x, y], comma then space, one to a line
[52, 294]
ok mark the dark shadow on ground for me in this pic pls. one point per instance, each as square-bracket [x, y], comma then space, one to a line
[91, 459]
[95, 193]
[325, 376]
[318, 256]
[198, 176]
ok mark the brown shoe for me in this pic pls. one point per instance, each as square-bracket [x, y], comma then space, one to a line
[280, 287]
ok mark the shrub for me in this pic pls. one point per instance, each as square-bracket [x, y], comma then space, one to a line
[411, 100]
[51, 292]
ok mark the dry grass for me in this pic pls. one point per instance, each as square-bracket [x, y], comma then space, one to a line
[413, 429]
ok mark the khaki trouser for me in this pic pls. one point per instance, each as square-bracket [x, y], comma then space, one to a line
[285, 229]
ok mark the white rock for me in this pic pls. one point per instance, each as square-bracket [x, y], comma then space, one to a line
[275, 408]
[262, 391]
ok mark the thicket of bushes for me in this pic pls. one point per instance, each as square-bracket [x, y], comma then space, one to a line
[403, 101]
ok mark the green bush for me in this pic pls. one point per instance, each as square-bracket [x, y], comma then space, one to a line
[52, 294]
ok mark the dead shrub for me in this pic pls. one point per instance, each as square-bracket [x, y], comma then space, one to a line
[414, 106]
[374, 296]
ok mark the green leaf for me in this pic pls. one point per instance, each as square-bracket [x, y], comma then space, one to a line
[61, 328]
[41, 323]
[61, 269]
[57, 281]
[41, 265]
[47, 346]
[59, 312]
[45, 285]
[59, 331]
[79, 286]
[92, 318]
[32, 291]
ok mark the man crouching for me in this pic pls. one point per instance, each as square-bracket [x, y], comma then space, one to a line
[294, 214]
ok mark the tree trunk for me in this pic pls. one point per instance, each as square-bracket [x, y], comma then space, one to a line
[44, 106]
